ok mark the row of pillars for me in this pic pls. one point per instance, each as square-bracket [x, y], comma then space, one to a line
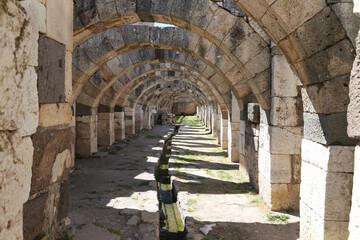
[294, 158]
[104, 126]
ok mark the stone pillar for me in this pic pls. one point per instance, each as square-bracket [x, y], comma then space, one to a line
[249, 144]
[354, 225]
[106, 131]
[86, 131]
[327, 155]
[234, 131]
[147, 119]
[224, 131]
[129, 120]
[119, 124]
[208, 118]
[139, 115]
[214, 120]
[353, 130]
[281, 132]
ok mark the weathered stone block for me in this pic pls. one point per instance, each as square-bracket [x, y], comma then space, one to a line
[327, 129]
[59, 21]
[55, 115]
[328, 97]
[286, 112]
[329, 158]
[47, 146]
[51, 71]
[106, 133]
[34, 216]
[284, 80]
[328, 194]
[285, 140]
[37, 15]
[86, 147]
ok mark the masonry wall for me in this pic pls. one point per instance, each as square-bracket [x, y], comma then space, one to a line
[35, 138]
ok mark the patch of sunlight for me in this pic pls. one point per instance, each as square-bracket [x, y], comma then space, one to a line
[131, 202]
[145, 176]
[157, 24]
[152, 159]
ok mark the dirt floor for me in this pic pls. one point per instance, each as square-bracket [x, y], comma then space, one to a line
[113, 194]
[211, 190]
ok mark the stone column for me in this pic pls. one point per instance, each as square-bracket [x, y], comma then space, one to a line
[147, 119]
[129, 120]
[234, 131]
[224, 131]
[86, 131]
[354, 225]
[106, 131]
[327, 155]
[214, 121]
[139, 115]
[280, 139]
[119, 125]
[249, 144]
[354, 132]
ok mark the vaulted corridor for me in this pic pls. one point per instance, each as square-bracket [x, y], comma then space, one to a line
[91, 90]
[113, 194]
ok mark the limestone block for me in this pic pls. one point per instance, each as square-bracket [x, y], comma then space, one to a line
[284, 80]
[106, 133]
[260, 62]
[284, 196]
[15, 177]
[328, 194]
[286, 112]
[320, 128]
[51, 115]
[284, 140]
[304, 41]
[328, 97]
[324, 66]
[86, 147]
[349, 20]
[313, 227]
[15, 84]
[253, 112]
[59, 21]
[86, 127]
[51, 71]
[47, 145]
[36, 13]
[61, 164]
[354, 225]
[31, 103]
[353, 113]
[329, 158]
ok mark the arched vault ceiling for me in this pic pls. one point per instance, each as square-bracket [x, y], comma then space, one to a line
[141, 74]
[310, 33]
[231, 56]
[162, 82]
[170, 87]
[148, 55]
